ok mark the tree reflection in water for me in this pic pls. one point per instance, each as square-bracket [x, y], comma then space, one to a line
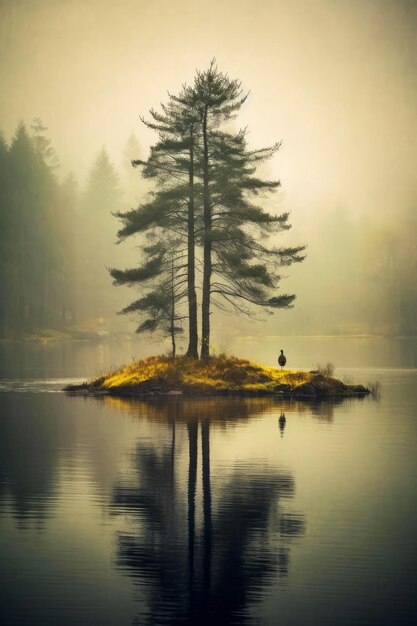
[203, 559]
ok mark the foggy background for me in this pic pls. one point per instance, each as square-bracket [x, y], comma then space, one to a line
[334, 80]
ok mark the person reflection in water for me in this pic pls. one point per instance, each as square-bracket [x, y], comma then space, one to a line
[281, 423]
[203, 572]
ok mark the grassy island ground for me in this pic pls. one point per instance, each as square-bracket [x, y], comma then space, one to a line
[217, 375]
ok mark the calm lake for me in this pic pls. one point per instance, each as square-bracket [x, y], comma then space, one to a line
[206, 511]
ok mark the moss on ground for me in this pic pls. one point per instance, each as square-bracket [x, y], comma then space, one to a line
[218, 375]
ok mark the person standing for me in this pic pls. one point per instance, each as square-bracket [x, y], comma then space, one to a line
[282, 359]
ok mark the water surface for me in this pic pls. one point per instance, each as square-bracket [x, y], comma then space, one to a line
[204, 511]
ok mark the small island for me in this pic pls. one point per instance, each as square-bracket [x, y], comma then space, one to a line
[218, 375]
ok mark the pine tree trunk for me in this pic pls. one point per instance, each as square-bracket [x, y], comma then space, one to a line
[192, 350]
[173, 346]
[205, 339]
[172, 324]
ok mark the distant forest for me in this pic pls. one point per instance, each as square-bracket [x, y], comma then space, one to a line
[57, 239]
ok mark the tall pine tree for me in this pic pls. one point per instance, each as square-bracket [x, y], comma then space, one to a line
[208, 193]
[237, 265]
[171, 209]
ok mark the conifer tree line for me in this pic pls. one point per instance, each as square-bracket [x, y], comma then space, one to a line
[52, 276]
[204, 228]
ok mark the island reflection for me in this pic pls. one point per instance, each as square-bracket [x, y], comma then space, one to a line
[221, 411]
[204, 545]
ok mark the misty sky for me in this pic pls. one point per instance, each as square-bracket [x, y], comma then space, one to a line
[335, 80]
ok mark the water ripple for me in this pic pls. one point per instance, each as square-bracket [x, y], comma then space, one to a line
[42, 385]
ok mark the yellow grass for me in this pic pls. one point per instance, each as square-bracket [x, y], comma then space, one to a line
[222, 373]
